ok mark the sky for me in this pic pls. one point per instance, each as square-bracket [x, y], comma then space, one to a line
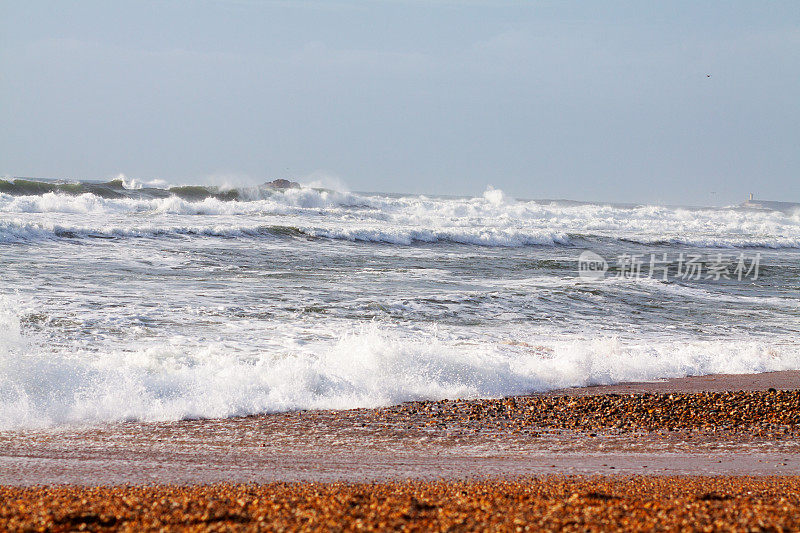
[606, 101]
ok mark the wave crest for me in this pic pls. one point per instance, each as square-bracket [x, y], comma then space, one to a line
[490, 220]
[368, 366]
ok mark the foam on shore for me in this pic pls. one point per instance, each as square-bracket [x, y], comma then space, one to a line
[368, 366]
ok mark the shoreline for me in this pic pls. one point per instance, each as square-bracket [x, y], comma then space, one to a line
[665, 428]
[782, 380]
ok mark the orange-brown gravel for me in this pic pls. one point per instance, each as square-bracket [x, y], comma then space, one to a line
[552, 503]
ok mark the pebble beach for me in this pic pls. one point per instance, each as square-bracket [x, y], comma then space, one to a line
[538, 504]
[629, 457]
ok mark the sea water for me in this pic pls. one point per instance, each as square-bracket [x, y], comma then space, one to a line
[155, 303]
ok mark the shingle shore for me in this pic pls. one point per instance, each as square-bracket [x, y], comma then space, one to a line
[549, 504]
[757, 412]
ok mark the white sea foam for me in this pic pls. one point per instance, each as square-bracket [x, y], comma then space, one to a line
[366, 366]
[490, 220]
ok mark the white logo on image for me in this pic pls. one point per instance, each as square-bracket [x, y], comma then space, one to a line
[591, 266]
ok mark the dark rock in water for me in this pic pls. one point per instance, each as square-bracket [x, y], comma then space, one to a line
[283, 184]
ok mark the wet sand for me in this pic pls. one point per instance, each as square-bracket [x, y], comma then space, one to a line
[667, 428]
[786, 380]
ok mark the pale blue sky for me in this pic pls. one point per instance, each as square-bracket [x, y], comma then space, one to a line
[583, 100]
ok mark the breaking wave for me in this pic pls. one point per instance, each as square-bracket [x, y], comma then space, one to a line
[367, 366]
[37, 210]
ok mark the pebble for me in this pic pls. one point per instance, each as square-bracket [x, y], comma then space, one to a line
[552, 503]
[773, 412]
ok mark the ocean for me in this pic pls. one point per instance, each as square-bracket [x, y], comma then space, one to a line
[120, 302]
